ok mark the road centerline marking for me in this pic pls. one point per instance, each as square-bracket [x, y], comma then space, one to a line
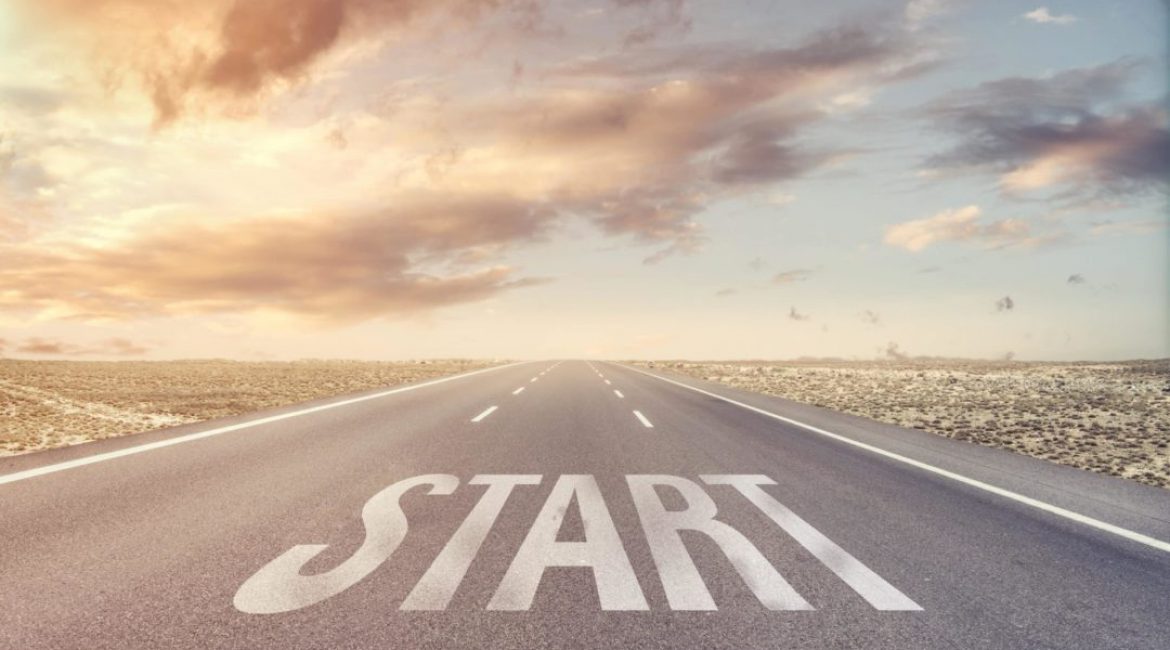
[1131, 535]
[642, 418]
[518, 391]
[486, 412]
[199, 435]
[618, 393]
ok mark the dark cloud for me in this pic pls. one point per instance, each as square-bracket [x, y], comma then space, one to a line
[797, 316]
[885, 54]
[893, 352]
[332, 268]
[871, 317]
[1066, 133]
[758, 154]
[723, 293]
[671, 130]
[1005, 304]
[1076, 278]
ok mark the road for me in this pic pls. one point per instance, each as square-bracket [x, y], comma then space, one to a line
[571, 504]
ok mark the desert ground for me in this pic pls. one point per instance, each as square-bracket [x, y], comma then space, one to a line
[46, 404]
[1112, 418]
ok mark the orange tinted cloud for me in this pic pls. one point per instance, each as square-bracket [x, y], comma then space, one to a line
[230, 49]
[788, 277]
[11, 226]
[111, 347]
[638, 145]
[964, 225]
[330, 268]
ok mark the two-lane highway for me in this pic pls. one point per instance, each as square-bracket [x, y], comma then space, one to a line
[571, 504]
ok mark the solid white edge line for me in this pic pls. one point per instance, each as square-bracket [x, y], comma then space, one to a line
[987, 487]
[618, 393]
[130, 451]
[518, 391]
[645, 422]
[486, 412]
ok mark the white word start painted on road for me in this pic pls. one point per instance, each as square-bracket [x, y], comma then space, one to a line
[279, 586]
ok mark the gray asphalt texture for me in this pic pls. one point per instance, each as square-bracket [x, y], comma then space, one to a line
[148, 550]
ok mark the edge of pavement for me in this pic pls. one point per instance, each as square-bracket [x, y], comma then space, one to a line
[1121, 503]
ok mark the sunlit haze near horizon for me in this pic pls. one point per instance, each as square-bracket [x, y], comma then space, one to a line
[386, 179]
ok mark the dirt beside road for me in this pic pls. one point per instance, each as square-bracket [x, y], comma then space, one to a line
[46, 404]
[1112, 418]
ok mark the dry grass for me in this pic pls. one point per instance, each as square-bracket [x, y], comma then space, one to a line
[1112, 418]
[45, 404]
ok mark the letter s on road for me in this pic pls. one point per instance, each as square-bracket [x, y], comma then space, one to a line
[279, 587]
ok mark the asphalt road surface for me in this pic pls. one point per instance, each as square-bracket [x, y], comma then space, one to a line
[571, 504]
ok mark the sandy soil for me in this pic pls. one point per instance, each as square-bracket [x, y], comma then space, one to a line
[45, 404]
[1112, 418]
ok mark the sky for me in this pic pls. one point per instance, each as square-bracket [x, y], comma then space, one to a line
[401, 179]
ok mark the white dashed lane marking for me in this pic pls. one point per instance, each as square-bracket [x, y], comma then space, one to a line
[645, 422]
[488, 411]
[618, 393]
[518, 391]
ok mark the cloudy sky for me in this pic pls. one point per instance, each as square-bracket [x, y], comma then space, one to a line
[390, 179]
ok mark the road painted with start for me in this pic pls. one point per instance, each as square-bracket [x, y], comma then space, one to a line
[575, 504]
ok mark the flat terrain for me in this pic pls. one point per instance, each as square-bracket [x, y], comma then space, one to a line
[1112, 418]
[47, 404]
[572, 505]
